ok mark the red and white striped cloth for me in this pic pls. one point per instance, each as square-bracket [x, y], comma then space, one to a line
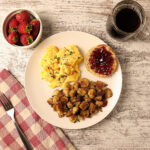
[40, 134]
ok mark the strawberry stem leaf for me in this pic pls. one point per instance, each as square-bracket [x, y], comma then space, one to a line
[30, 40]
[15, 38]
[29, 28]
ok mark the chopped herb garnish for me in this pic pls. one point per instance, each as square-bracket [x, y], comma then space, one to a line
[55, 57]
[52, 76]
[101, 110]
[58, 58]
[78, 57]
[77, 120]
[64, 54]
[59, 79]
[71, 52]
[66, 49]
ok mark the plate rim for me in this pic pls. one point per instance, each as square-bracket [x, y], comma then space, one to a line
[87, 126]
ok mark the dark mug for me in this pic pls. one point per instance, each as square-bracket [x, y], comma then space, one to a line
[127, 20]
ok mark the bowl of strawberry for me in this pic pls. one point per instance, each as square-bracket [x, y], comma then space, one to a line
[22, 28]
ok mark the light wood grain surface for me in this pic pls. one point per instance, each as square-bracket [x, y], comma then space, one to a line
[128, 126]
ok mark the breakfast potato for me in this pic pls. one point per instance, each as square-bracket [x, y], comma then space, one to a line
[99, 103]
[91, 93]
[80, 117]
[50, 101]
[70, 105]
[81, 91]
[91, 108]
[87, 98]
[75, 110]
[55, 99]
[76, 86]
[60, 114]
[92, 85]
[73, 118]
[108, 93]
[72, 93]
[69, 113]
[78, 103]
[66, 91]
[64, 99]
[98, 98]
[56, 92]
[84, 105]
[80, 100]
[100, 84]
[59, 107]
[85, 113]
[84, 82]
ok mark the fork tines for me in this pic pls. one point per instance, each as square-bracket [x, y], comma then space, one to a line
[5, 102]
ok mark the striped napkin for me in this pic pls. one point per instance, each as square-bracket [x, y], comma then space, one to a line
[40, 134]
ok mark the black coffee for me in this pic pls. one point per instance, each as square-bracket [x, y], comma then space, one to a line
[127, 20]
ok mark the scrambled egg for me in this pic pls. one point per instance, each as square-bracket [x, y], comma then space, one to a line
[60, 66]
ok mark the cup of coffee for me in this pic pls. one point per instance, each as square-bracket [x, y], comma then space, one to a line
[126, 20]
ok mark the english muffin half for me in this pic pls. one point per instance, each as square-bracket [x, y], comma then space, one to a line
[101, 61]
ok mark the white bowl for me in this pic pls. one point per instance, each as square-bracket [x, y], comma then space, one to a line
[5, 28]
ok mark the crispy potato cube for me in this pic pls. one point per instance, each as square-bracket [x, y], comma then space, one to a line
[55, 99]
[108, 93]
[85, 113]
[72, 93]
[66, 91]
[100, 84]
[98, 98]
[76, 86]
[50, 101]
[96, 111]
[60, 114]
[75, 110]
[91, 108]
[91, 93]
[92, 85]
[69, 113]
[54, 107]
[60, 94]
[77, 104]
[56, 92]
[81, 91]
[69, 105]
[64, 99]
[84, 82]
[80, 117]
[84, 105]
[73, 118]
[73, 99]
[59, 107]
[104, 103]
[87, 98]
[99, 103]
[100, 92]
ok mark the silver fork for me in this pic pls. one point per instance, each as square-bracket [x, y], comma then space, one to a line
[10, 111]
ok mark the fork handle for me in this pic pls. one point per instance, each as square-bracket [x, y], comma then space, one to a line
[23, 137]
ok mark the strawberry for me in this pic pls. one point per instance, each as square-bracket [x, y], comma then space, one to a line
[13, 25]
[13, 38]
[36, 27]
[23, 16]
[24, 28]
[26, 39]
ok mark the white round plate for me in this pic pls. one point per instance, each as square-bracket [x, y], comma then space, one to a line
[38, 91]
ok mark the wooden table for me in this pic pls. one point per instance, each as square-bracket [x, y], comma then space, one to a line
[128, 126]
